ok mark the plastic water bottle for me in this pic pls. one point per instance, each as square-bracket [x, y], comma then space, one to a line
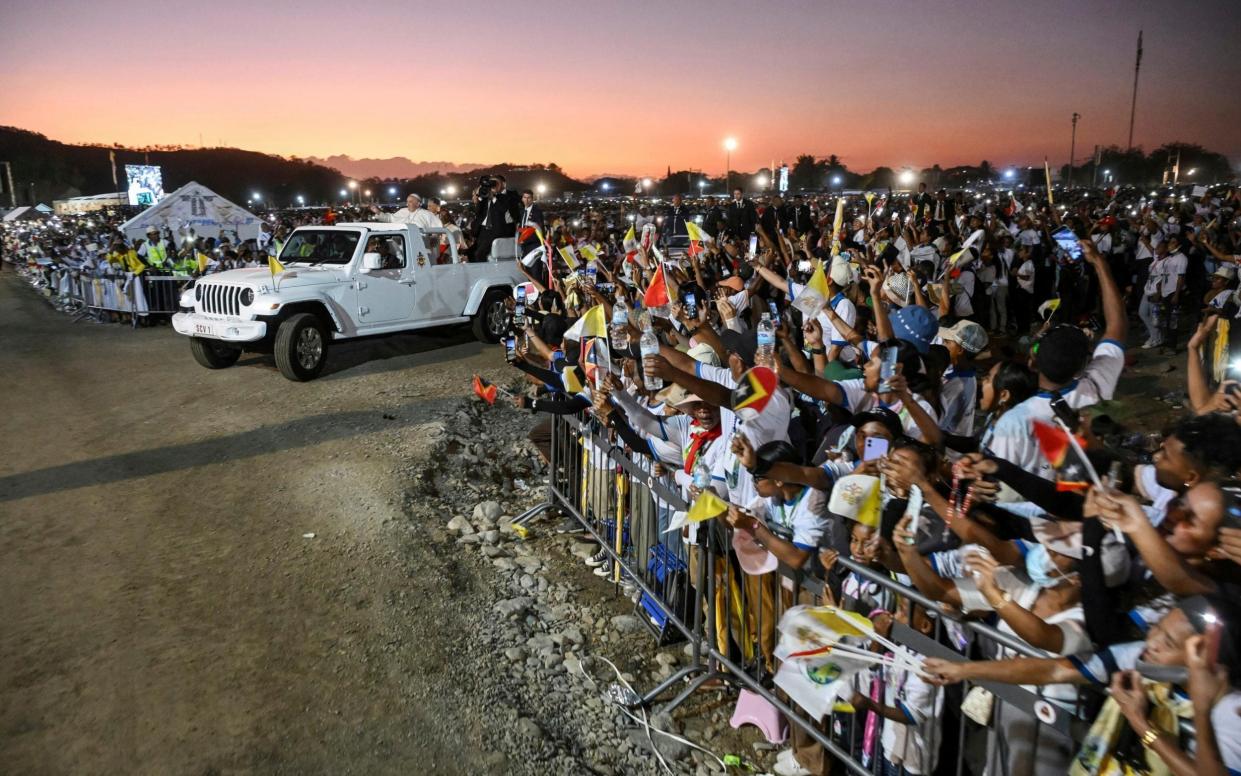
[702, 474]
[765, 355]
[620, 326]
[649, 344]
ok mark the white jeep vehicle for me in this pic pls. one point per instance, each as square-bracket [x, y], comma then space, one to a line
[342, 282]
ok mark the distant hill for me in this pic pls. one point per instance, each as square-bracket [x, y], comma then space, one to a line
[44, 169]
[392, 167]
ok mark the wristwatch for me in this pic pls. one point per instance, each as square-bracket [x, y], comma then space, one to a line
[816, 351]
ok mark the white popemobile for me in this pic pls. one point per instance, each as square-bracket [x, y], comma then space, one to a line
[342, 282]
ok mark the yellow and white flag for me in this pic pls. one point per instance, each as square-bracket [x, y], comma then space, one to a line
[814, 295]
[570, 257]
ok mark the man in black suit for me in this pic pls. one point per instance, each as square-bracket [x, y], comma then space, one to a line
[797, 215]
[741, 217]
[531, 218]
[712, 224]
[942, 210]
[495, 216]
[921, 201]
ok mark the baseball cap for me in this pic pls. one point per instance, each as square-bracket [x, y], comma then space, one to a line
[916, 325]
[704, 354]
[733, 283]
[675, 396]
[841, 272]
[753, 558]
[882, 415]
[967, 334]
[1225, 271]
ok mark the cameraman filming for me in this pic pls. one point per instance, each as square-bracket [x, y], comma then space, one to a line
[496, 211]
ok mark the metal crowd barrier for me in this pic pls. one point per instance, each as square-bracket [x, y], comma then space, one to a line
[89, 295]
[696, 592]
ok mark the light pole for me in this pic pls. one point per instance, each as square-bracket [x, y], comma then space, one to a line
[541, 189]
[730, 145]
[353, 187]
[1073, 149]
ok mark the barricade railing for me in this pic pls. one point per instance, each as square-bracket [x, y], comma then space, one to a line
[88, 294]
[693, 590]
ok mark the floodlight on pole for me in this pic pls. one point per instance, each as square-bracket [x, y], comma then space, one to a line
[907, 177]
[730, 145]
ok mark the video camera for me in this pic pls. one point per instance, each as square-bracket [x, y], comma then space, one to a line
[485, 184]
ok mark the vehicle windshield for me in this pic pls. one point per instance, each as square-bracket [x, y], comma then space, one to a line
[320, 246]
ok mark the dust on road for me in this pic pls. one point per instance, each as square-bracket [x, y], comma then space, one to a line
[163, 612]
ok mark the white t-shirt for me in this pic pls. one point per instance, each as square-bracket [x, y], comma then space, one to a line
[1012, 436]
[771, 425]
[858, 399]
[831, 335]
[801, 521]
[1025, 276]
[1029, 237]
[913, 745]
[1164, 274]
[1226, 722]
[962, 302]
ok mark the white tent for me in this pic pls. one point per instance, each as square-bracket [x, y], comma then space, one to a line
[196, 207]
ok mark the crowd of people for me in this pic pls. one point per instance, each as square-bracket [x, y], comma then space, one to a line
[785, 356]
[951, 356]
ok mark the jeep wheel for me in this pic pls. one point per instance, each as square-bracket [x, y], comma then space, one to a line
[214, 354]
[491, 320]
[301, 347]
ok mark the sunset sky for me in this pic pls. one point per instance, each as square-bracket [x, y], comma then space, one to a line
[626, 87]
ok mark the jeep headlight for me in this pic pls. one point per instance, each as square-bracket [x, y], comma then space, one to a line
[247, 297]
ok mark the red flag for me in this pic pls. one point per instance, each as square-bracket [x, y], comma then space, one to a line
[526, 234]
[657, 292]
[589, 359]
[484, 390]
[695, 248]
[1072, 472]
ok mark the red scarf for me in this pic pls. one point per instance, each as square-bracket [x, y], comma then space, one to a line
[698, 441]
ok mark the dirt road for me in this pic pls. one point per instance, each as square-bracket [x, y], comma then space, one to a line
[162, 610]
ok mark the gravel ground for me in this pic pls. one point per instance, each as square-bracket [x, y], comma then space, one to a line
[224, 572]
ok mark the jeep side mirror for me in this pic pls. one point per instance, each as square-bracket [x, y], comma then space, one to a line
[371, 261]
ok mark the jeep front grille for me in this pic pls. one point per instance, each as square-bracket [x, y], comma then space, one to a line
[218, 299]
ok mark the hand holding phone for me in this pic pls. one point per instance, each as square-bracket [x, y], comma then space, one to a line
[1067, 241]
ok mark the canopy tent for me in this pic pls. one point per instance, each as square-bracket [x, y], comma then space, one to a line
[26, 213]
[198, 208]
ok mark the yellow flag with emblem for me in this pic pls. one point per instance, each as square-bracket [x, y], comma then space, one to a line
[570, 257]
[705, 507]
[203, 261]
[589, 253]
[594, 322]
[274, 265]
[813, 297]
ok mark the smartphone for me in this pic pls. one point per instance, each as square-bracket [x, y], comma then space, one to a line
[510, 348]
[775, 309]
[519, 310]
[887, 367]
[1067, 241]
[691, 304]
[873, 448]
[753, 246]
